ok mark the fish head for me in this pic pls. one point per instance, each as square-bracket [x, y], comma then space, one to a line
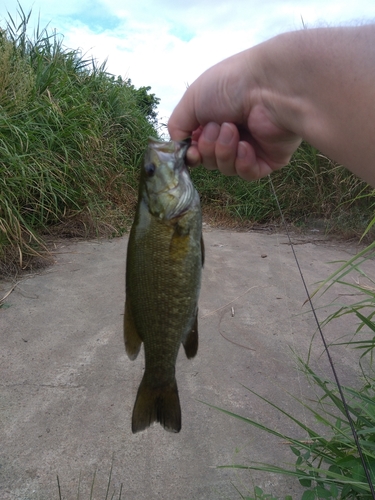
[165, 179]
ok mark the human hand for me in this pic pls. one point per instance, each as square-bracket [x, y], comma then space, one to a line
[232, 118]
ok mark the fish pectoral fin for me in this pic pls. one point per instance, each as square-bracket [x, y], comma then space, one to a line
[157, 404]
[132, 340]
[182, 227]
[202, 250]
[191, 341]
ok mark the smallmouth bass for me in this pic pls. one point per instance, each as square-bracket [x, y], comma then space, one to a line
[163, 276]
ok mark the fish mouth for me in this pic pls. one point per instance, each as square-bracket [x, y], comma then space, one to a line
[169, 146]
[176, 149]
[173, 184]
[172, 154]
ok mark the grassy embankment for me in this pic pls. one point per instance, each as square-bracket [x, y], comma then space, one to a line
[71, 140]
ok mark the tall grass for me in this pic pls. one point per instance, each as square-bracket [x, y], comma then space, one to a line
[71, 136]
[311, 187]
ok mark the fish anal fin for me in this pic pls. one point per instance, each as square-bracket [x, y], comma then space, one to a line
[132, 339]
[157, 404]
[191, 342]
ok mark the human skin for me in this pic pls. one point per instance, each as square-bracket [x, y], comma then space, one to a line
[249, 113]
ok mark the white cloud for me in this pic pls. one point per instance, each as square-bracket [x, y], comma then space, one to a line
[166, 44]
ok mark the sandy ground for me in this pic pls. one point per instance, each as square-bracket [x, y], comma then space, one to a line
[67, 387]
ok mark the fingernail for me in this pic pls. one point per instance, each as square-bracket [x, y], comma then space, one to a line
[211, 131]
[241, 150]
[226, 134]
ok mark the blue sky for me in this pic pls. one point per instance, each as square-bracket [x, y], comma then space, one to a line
[166, 44]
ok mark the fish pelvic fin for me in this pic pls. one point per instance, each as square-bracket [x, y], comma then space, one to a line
[133, 341]
[191, 342]
[157, 404]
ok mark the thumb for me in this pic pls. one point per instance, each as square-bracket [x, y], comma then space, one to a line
[183, 120]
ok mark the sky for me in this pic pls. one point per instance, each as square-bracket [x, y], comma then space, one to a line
[167, 44]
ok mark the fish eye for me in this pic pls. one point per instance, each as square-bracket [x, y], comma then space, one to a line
[150, 169]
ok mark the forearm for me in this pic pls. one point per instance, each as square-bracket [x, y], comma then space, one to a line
[320, 84]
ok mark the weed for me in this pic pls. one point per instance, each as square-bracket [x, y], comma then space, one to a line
[328, 465]
[92, 488]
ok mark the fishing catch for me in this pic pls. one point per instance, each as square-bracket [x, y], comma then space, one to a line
[163, 276]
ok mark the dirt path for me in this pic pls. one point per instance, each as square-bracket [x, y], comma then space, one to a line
[67, 388]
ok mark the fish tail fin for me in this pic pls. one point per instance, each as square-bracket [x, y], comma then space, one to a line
[157, 404]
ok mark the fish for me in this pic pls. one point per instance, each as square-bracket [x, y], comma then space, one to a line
[165, 256]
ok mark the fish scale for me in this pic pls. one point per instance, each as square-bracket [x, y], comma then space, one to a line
[160, 302]
[163, 275]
